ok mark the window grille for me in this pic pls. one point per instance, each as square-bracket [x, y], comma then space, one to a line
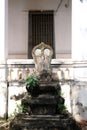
[41, 29]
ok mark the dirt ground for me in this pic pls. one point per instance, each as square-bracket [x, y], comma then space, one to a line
[4, 125]
[83, 125]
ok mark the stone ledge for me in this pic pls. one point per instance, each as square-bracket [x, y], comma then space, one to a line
[44, 122]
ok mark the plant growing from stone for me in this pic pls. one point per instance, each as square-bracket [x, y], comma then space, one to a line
[61, 107]
[32, 85]
[31, 82]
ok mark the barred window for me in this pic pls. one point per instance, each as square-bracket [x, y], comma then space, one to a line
[41, 29]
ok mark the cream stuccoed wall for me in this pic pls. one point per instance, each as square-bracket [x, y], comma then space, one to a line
[18, 26]
[63, 31]
[79, 30]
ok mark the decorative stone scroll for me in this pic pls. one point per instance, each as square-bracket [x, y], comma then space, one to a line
[42, 55]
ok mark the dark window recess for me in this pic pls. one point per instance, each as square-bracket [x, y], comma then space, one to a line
[40, 29]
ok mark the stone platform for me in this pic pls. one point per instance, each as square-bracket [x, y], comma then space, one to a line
[44, 122]
[45, 110]
[43, 104]
[42, 112]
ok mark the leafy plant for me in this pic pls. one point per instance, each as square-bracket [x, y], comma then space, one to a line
[32, 85]
[31, 81]
[61, 107]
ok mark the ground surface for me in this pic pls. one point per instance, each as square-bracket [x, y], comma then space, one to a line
[4, 125]
[83, 125]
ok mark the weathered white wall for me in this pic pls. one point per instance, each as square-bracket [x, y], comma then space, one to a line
[18, 26]
[79, 103]
[2, 28]
[79, 30]
[75, 95]
[63, 30]
[2, 99]
[16, 93]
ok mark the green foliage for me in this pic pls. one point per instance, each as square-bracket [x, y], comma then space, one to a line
[61, 107]
[31, 81]
[19, 109]
[58, 92]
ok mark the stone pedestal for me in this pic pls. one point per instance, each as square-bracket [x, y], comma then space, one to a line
[46, 102]
[42, 112]
[44, 122]
[46, 111]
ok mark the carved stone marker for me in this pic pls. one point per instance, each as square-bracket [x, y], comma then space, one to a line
[42, 55]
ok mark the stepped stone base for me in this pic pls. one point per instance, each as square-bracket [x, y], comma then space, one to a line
[42, 105]
[44, 122]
